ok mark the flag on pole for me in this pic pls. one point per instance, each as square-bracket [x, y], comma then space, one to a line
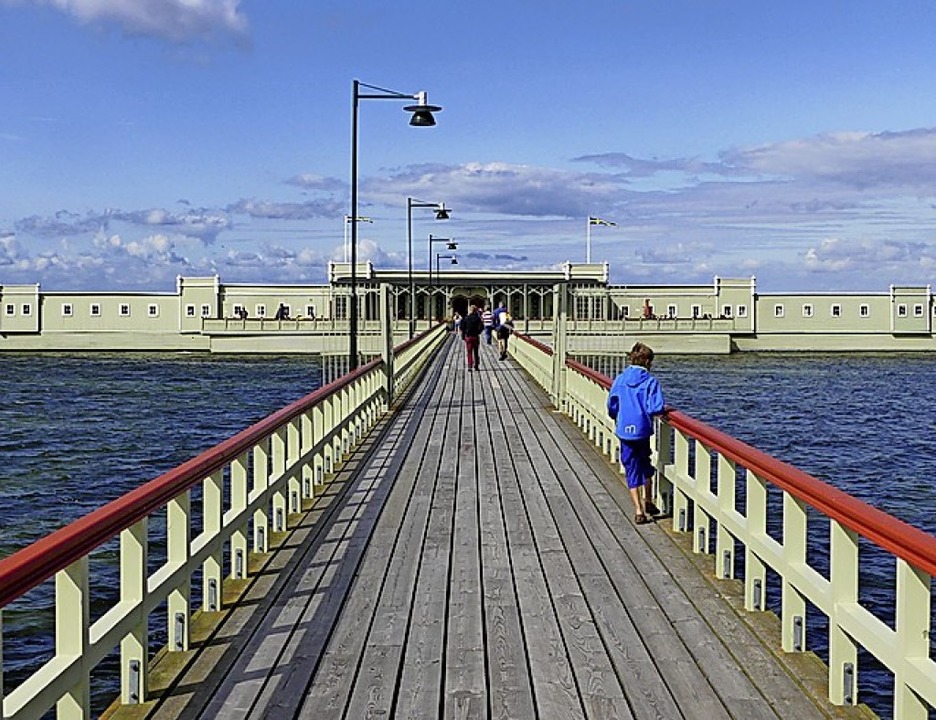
[599, 221]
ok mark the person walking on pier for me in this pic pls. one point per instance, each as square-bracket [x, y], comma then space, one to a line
[635, 397]
[471, 326]
[487, 317]
[504, 328]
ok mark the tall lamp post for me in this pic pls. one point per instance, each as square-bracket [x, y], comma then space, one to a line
[347, 221]
[450, 245]
[422, 117]
[441, 213]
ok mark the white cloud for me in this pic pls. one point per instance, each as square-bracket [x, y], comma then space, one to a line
[176, 20]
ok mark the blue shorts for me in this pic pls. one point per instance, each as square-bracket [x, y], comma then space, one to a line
[635, 459]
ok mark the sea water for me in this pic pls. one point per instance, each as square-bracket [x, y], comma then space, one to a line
[77, 431]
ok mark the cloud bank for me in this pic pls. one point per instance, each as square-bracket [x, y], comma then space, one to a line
[175, 20]
[842, 211]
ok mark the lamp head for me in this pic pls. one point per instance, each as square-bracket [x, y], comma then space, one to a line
[422, 111]
[454, 260]
[452, 246]
[442, 212]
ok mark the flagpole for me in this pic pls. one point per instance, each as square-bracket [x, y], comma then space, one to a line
[588, 225]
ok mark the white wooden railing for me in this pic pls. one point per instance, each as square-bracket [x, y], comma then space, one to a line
[702, 472]
[250, 485]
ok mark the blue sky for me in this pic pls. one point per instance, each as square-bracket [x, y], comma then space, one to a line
[145, 139]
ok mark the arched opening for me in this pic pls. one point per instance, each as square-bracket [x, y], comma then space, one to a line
[460, 305]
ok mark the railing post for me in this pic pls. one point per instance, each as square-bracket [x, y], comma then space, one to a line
[793, 604]
[664, 450]
[701, 522]
[914, 603]
[724, 542]
[212, 509]
[178, 552]
[318, 432]
[72, 622]
[307, 441]
[134, 559]
[560, 348]
[843, 651]
[755, 572]
[386, 346]
[680, 502]
[278, 453]
[261, 479]
[293, 435]
[238, 559]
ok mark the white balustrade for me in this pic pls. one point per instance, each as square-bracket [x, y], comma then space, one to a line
[266, 471]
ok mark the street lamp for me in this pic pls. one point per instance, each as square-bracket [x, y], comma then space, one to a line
[422, 117]
[450, 245]
[439, 256]
[441, 213]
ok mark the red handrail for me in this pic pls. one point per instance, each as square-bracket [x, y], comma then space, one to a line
[897, 537]
[535, 343]
[27, 568]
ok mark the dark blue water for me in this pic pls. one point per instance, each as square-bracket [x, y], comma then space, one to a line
[77, 431]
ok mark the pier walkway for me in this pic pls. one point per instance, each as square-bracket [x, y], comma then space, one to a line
[477, 558]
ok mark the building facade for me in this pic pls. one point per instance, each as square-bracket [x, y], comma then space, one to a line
[206, 315]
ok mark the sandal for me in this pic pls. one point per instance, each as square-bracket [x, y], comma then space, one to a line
[641, 519]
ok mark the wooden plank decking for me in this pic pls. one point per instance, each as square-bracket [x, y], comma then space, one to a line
[473, 560]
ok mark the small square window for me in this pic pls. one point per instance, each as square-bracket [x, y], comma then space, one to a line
[918, 310]
[807, 310]
[189, 311]
[206, 311]
[672, 311]
[901, 310]
[260, 310]
[68, 309]
[864, 310]
[836, 310]
[726, 311]
[778, 311]
[27, 309]
[742, 311]
[696, 311]
[625, 311]
[310, 311]
[95, 310]
[10, 309]
[124, 310]
[152, 310]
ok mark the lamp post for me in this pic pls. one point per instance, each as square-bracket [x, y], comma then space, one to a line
[422, 117]
[451, 245]
[347, 221]
[439, 256]
[441, 213]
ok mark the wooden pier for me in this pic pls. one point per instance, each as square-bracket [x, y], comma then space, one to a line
[476, 558]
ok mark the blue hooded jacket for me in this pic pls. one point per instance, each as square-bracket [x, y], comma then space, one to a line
[635, 396]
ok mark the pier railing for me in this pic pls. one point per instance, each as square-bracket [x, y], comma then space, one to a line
[215, 510]
[718, 488]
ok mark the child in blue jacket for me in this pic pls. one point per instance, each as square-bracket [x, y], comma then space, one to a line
[635, 397]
